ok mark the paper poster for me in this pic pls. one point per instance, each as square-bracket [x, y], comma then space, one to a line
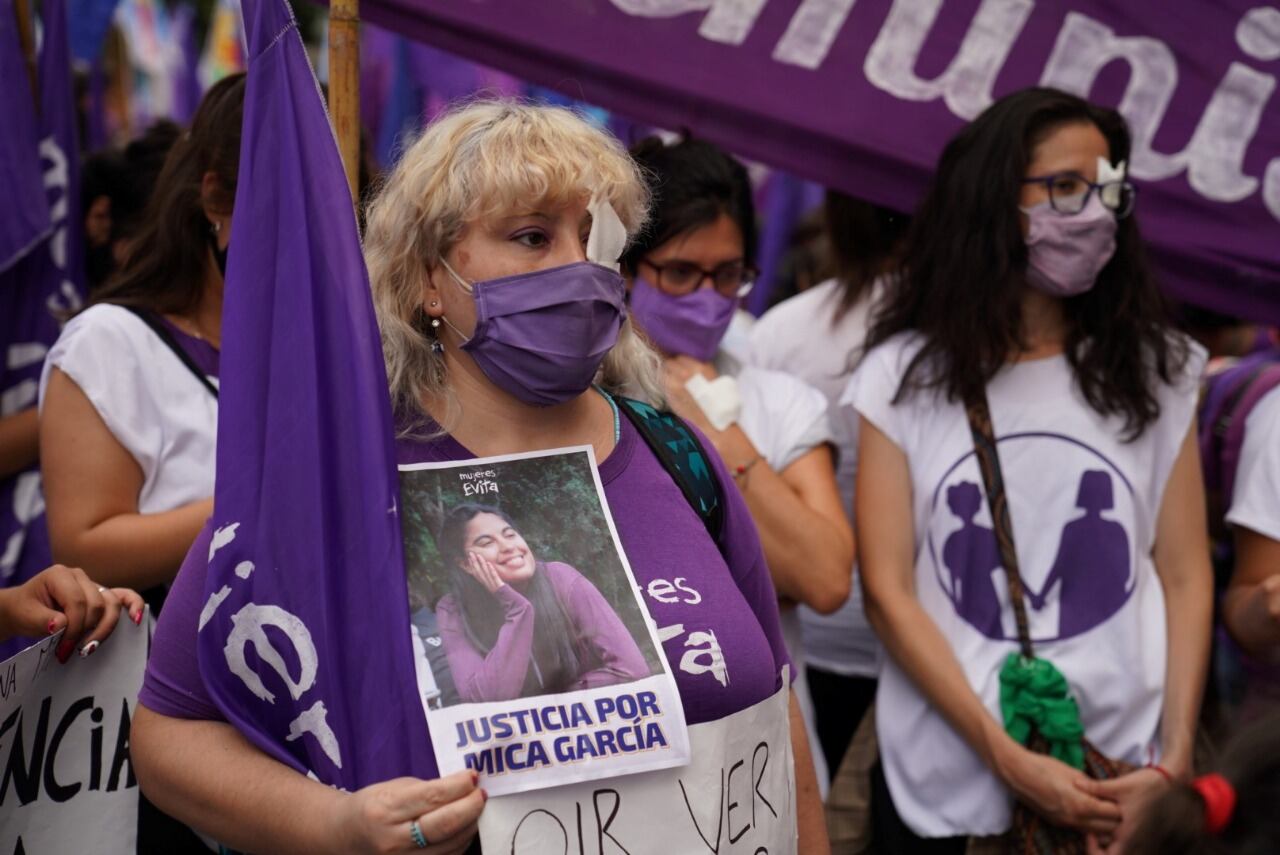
[66, 781]
[537, 661]
[737, 795]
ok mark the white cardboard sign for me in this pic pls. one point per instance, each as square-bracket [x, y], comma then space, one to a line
[737, 795]
[66, 781]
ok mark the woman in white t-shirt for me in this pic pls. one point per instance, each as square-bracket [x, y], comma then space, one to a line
[686, 274]
[818, 335]
[1023, 279]
[128, 397]
[1251, 605]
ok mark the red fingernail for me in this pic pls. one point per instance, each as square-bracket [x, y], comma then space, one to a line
[475, 777]
[53, 627]
[88, 649]
[64, 655]
[138, 618]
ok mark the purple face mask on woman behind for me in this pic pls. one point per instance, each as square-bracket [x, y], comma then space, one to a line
[691, 325]
[1066, 252]
[542, 336]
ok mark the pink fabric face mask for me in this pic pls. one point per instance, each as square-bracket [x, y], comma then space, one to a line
[1065, 253]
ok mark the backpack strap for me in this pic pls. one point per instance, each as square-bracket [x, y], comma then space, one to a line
[1226, 428]
[153, 321]
[679, 451]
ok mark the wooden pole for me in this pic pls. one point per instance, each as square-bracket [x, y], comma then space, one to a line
[26, 38]
[344, 85]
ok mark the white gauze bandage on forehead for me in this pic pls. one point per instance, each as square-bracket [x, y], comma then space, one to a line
[1108, 173]
[608, 235]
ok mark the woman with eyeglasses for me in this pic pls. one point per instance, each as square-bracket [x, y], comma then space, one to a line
[1024, 292]
[687, 273]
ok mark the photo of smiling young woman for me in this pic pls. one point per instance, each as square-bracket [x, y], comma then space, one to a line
[514, 625]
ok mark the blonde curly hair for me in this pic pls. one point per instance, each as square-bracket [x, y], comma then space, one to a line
[477, 160]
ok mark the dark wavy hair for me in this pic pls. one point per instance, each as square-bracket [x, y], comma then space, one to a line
[865, 240]
[558, 648]
[170, 251]
[963, 273]
[1175, 823]
[692, 183]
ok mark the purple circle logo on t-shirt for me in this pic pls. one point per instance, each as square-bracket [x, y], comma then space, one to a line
[1073, 513]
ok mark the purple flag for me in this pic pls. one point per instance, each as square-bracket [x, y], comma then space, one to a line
[43, 283]
[402, 112]
[862, 96]
[24, 220]
[304, 642]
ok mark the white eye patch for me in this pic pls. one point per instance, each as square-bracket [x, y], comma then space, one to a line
[608, 235]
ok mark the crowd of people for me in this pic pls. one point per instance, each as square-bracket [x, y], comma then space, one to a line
[963, 480]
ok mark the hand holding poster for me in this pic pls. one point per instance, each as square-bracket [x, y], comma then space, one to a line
[67, 783]
[736, 796]
[536, 660]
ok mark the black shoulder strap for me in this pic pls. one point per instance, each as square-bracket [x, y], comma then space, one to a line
[151, 320]
[682, 455]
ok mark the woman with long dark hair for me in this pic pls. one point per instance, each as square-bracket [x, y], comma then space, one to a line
[1024, 293]
[128, 402]
[515, 626]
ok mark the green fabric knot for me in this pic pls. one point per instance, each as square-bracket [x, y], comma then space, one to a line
[1034, 697]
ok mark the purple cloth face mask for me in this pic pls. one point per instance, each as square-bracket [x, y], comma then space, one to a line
[691, 325]
[541, 336]
[1065, 253]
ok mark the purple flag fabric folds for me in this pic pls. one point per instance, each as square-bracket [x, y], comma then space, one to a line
[48, 278]
[25, 218]
[304, 642]
[862, 96]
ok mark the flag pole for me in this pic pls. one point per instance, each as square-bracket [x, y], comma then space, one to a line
[344, 85]
[26, 37]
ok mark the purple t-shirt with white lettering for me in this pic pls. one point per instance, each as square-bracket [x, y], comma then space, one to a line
[717, 615]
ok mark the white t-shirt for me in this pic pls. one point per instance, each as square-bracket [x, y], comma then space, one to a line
[1084, 505]
[797, 336]
[1255, 497]
[147, 398]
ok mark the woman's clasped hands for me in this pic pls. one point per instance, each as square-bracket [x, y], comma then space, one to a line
[1107, 811]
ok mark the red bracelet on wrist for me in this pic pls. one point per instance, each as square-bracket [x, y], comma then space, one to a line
[1164, 773]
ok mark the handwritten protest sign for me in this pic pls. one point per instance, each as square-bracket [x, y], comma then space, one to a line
[66, 781]
[537, 661]
[737, 795]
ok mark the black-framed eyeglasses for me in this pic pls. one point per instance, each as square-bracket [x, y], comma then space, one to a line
[731, 279]
[1069, 192]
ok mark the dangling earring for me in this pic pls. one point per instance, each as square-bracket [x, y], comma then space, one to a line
[436, 347]
[217, 226]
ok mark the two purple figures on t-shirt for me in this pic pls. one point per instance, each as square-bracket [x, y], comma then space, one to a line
[1091, 569]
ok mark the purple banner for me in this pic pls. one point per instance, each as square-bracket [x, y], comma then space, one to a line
[44, 282]
[862, 96]
[24, 221]
[305, 639]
